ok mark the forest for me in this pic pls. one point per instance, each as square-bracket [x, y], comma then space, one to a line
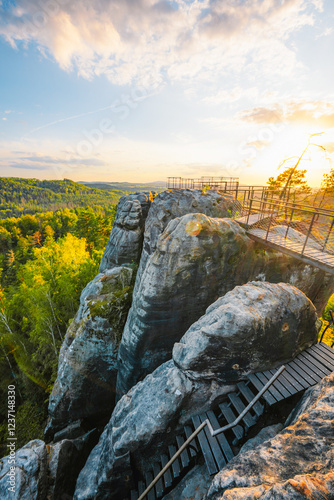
[28, 196]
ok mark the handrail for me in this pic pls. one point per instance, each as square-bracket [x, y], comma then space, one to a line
[246, 410]
[213, 432]
[295, 206]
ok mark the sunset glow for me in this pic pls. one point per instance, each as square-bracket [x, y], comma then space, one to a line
[138, 91]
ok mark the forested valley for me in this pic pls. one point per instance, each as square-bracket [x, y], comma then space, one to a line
[52, 237]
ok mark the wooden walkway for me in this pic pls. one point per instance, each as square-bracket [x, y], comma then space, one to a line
[311, 255]
[306, 370]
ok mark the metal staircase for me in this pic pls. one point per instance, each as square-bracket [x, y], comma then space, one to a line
[214, 434]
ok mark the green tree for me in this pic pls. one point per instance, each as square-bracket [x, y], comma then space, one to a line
[289, 179]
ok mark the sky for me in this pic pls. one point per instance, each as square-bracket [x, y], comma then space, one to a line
[139, 90]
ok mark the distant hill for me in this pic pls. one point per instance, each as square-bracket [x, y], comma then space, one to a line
[127, 186]
[20, 196]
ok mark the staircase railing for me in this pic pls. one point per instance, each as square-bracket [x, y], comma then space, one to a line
[212, 432]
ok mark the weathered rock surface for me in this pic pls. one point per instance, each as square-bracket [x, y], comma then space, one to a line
[251, 328]
[193, 486]
[30, 473]
[194, 263]
[126, 237]
[175, 203]
[65, 460]
[296, 464]
[143, 423]
[264, 434]
[45, 471]
[145, 420]
[85, 385]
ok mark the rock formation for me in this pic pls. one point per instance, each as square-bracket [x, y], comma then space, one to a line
[294, 465]
[251, 328]
[45, 471]
[30, 473]
[195, 261]
[126, 237]
[174, 203]
[147, 417]
[86, 381]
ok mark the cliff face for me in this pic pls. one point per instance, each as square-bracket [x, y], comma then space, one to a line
[209, 305]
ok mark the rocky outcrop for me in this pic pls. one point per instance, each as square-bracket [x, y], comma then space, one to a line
[25, 476]
[86, 381]
[143, 424]
[193, 486]
[195, 262]
[296, 464]
[145, 420]
[175, 203]
[126, 237]
[251, 328]
[39, 471]
[64, 462]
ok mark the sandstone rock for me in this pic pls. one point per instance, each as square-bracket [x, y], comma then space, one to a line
[146, 419]
[30, 473]
[65, 460]
[174, 203]
[143, 423]
[295, 464]
[263, 435]
[195, 262]
[85, 385]
[193, 486]
[45, 471]
[126, 237]
[254, 327]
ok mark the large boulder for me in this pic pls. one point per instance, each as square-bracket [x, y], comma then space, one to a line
[252, 328]
[196, 260]
[294, 465]
[23, 474]
[126, 237]
[174, 203]
[86, 381]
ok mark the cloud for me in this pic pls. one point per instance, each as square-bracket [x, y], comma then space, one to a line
[259, 144]
[33, 161]
[317, 113]
[131, 40]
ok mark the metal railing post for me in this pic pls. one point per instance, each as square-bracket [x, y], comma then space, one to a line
[291, 217]
[328, 235]
[270, 222]
[308, 233]
[249, 211]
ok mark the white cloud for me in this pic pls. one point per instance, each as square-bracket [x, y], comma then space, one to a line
[128, 40]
